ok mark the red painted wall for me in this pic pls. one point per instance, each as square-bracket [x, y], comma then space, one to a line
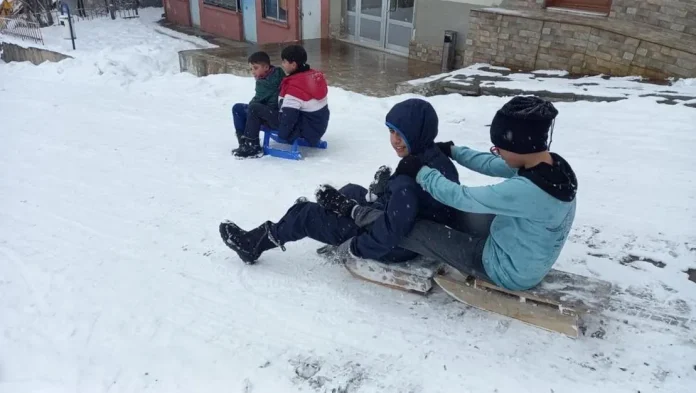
[325, 17]
[178, 11]
[221, 22]
[269, 31]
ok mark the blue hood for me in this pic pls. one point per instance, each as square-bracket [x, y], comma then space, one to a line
[416, 121]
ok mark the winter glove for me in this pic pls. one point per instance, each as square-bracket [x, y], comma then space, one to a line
[445, 148]
[409, 166]
[379, 185]
[331, 199]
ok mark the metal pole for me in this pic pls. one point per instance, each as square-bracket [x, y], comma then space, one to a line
[65, 8]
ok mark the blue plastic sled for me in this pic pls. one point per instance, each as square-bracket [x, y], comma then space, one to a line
[294, 152]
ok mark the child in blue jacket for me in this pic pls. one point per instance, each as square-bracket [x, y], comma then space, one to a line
[512, 232]
[413, 126]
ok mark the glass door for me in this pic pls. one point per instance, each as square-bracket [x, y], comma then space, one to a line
[384, 24]
[399, 25]
[371, 22]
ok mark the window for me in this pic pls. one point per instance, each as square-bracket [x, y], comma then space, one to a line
[602, 6]
[232, 5]
[275, 10]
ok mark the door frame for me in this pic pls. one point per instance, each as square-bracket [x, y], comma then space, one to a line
[246, 16]
[300, 6]
[383, 43]
[197, 5]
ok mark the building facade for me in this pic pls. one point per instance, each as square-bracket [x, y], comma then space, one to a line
[258, 21]
[413, 28]
[653, 38]
[650, 38]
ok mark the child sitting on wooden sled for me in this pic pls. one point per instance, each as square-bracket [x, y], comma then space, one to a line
[413, 126]
[304, 109]
[510, 233]
[265, 99]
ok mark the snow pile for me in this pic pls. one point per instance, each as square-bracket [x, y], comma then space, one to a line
[114, 277]
[119, 51]
[555, 81]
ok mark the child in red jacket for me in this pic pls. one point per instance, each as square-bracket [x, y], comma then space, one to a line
[304, 109]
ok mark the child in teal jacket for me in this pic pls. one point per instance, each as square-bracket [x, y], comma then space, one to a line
[532, 210]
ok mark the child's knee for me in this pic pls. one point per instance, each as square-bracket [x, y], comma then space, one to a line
[354, 191]
[238, 108]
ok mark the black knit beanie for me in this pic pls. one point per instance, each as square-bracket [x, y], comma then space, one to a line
[294, 54]
[522, 125]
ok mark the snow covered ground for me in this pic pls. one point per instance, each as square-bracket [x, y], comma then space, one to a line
[682, 91]
[116, 171]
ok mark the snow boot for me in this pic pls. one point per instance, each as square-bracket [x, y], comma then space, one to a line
[331, 199]
[248, 245]
[249, 149]
[240, 137]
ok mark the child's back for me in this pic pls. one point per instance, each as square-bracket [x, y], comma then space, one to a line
[305, 94]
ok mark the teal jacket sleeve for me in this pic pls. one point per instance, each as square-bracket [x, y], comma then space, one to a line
[514, 197]
[484, 163]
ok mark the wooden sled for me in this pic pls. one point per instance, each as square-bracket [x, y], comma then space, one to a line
[414, 276]
[557, 304]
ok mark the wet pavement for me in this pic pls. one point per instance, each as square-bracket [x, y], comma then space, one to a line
[355, 68]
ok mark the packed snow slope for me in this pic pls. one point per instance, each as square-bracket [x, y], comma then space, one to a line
[116, 171]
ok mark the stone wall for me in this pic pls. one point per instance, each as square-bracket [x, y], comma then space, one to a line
[523, 4]
[425, 52]
[12, 52]
[526, 43]
[676, 15]
[432, 53]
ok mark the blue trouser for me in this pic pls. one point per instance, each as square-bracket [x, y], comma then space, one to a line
[355, 192]
[239, 116]
[308, 219]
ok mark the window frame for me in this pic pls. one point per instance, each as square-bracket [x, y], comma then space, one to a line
[272, 19]
[220, 4]
[579, 5]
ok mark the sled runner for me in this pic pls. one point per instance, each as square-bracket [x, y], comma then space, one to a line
[294, 152]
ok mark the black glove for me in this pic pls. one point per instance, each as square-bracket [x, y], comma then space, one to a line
[331, 199]
[409, 166]
[445, 148]
[379, 185]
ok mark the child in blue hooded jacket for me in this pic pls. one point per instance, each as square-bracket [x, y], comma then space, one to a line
[534, 207]
[512, 232]
[413, 126]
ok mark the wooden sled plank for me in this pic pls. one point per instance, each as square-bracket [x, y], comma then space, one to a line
[414, 276]
[563, 289]
[542, 315]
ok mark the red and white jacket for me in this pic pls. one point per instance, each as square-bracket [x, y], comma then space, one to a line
[304, 108]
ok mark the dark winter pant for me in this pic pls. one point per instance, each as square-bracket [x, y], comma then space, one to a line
[258, 115]
[239, 116]
[308, 219]
[461, 248]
